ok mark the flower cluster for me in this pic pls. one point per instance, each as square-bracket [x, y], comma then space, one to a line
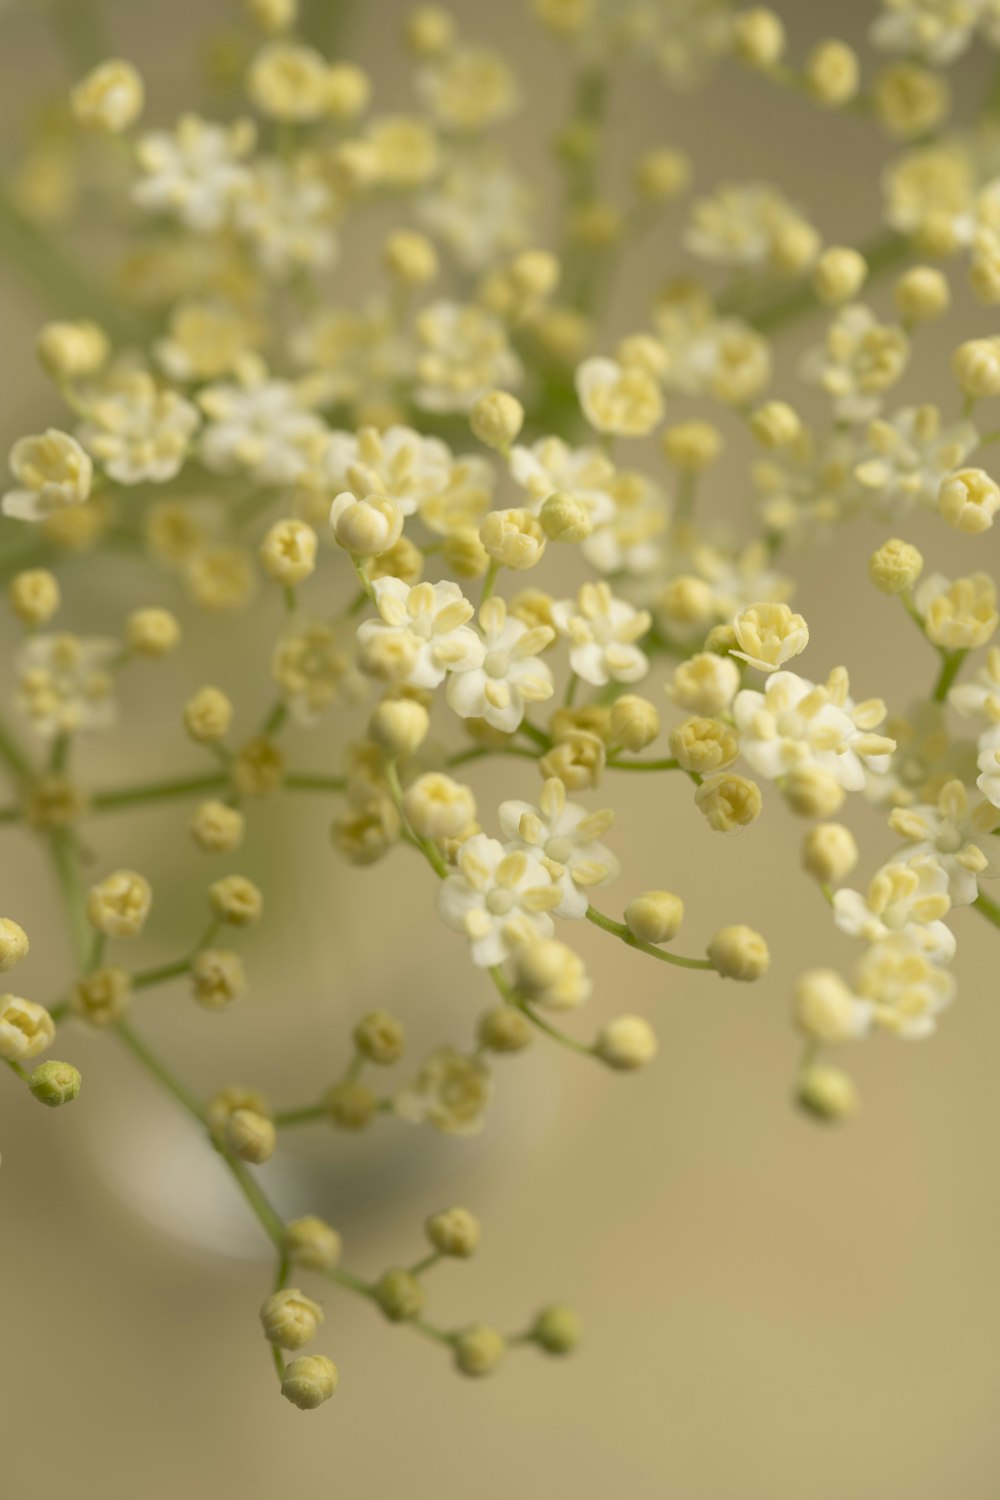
[402, 481]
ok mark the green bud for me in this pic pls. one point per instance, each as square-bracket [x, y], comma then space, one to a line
[54, 1083]
[557, 1330]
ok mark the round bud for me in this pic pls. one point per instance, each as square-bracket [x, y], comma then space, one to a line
[828, 1094]
[549, 973]
[832, 74]
[399, 726]
[692, 446]
[825, 1009]
[812, 792]
[380, 1038]
[34, 596]
[208, 715]
[25, 1029]
[728, 801]
[758, 37]
[514, 538]
[454, 1232]
[217, 828]
[290, 1318]
[776, 425]
[436, 807]
[479, 1350]
[350, 1105]
[496, 419]
[368, 526]
[152, 632]
[411, 258]
[309, 1381]
[236, 900]
[348, 90]
[739, 953]
[313, 1243]
[655, 916]
[273, 15]
[557, 1330]
[251, 1137]
[399, 1295]
[895, 567]
[72, 351]
[101, 997]
[504, 1029]
[829, 853]
[626, 1043]
[288, 552]
[13, 943]
[976, 366]
[839, 274]
[55, 1083]
[921, 294]
[969, 501]
[661, 174]
[430, 30]
[109, 98]
[635, 722]
[217, 978]
[565, 519]
[119, 905]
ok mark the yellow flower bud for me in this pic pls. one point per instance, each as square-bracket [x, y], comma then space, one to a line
[348, 90]
[430, 30]
[436, 807]
[454, 1232]
[290, 1318]
[309, 1381]
[557, 1330]
[34, 596]
[102, 997]
[921, 294]
[496, 419]
[411, 258]
[704, 745]
[25, 1029]
[825, 1009]
[72, 351]
[399, 1295]
[655, 916]
[739, 953]
[208, 715]
[895, 567]
[776, 425]
[365, 527]
[692, 446]
[288, 81]
[288, 552]
[564, 518]
[635, 722]
[313, 1243]
[399, 726]
[661, 174]
[839, 274]
[13, 944]
[728, 801]
[119, 905]
[110, 98]
[259, 768]
[380, 1038]
[217, 978]
[217, 828]
[758, 37]
[626, 1043]
[976, 366]
[251, 1137]
[832, 74]
[577, 760]
[152, 632]
[550, 974]
[479, 1350]
[829, 853]
[828, 1093]
[969, 500]
[236, 900]
[910, 100]
[273, 15]
[811, 792]
[350, 1105]
[504, 1029]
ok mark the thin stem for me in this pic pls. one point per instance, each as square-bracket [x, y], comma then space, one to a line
[173, 1085]
[11, 752]
[426, 1264]
[159, 791]
[988, 909]
[620, 930]
[489, 581]
[306, 1114]
[146, 979]
[64, 855]
[308, 781]
[951, 665]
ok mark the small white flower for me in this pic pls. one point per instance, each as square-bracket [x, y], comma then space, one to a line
[399, 463]
[959, 837]
[65, 684]
[618, 399]
[450, 1092]
[795, 723]
[138, 430]
[906, 456]
[769, 635]
[464, 354]
[53, 472]
[433, 617]
[499, 899]
[509, 677]
[906, 989]
[261, 429]
[909, 898]
[196, 173]
[550, 465]
[287, 217]
[569, 839]
[366, 527]
[859, 361]
[602, 631]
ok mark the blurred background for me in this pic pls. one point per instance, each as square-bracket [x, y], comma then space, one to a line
[774, 1311]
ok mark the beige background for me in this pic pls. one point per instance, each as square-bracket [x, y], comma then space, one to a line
[773, 1312]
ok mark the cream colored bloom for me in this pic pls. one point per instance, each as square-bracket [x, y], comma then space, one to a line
[827, 1010]
[197, 173]
[705, 684]
[794, 723]
[904, 987]
[602, 632]
[438, 807]
[969, 501]
[468, 88]
[367, 526]
[568, 837]
[729, 802]
[25, 1029]
[959, 834]
[260, 428]
[617, 399]
[907, 456]
[65, 683]
[464, 354]
[102, 997]
[860, 360]
[909, 897]
[428, 623]
[498, 899]
[769, 635]
[510, 675]
[139, 431]
[119, 905]
[959, 615]
[751, 224]
[289, 81]
[53, 472]
[450, 1092]
[109, 98]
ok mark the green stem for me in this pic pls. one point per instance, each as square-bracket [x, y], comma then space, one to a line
[307, 781]
[883, 252]
[620, 930]
[951, 665]
[67, 864]
[306, 1114]
[988, 909]
[159, 791]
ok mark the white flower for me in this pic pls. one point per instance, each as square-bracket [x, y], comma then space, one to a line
[509, 677]
[909, 898]
[499, 899]
[314, 667]
[619, 399]
[907, 456]
[478, 209]
[450, 1092]
[628, 541]
[904, 986]
[197, 173]
[464, 354]
[53, 472]
[432, 618]
[795, 723]
[936, 30]
[747, 225]
[399, 463]
[65, 684]
[287, 217]
[261, 429]
[568, 836]
[959, 836]
[551, 464]
[138, 430]
[859, 361]
[602, 631]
